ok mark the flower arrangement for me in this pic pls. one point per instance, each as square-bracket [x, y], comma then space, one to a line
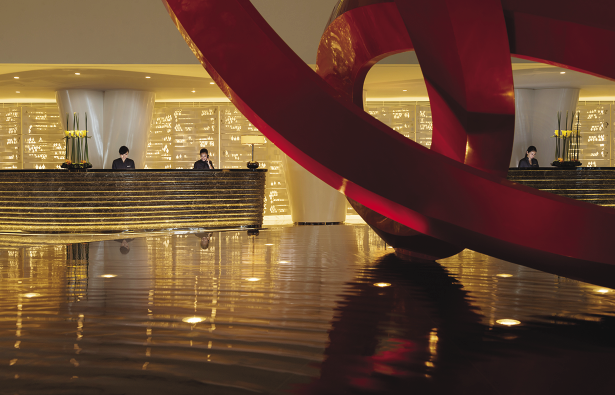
[76, 155]
[566, 143]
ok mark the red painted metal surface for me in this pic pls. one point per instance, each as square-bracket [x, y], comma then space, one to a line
[419, 188]
[343, 61]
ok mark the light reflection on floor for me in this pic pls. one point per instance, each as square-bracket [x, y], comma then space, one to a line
[290, 310]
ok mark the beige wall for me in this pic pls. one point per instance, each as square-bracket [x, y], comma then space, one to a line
[133, 31]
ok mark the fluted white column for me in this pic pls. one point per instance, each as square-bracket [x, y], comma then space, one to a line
[311, 200]
[127, 119]
[536, 120]
[83, 101]
[524, 105]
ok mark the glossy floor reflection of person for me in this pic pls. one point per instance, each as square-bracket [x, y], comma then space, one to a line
[290, 310]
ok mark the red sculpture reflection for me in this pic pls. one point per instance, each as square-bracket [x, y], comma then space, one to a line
[429, 191]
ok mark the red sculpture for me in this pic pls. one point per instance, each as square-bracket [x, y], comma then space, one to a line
[459, 199]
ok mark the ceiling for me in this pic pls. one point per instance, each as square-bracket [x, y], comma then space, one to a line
[385, 82]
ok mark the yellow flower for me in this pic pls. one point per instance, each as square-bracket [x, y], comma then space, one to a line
[72, 133]
[80, 133]
[85, 133]
[66, 133]
[556, 133]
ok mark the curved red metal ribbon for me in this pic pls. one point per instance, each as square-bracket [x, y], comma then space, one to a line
[422, 189]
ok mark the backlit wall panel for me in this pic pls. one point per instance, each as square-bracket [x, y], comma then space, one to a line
[177, 134]
[10, 137]
[596, 133]
[42, 137]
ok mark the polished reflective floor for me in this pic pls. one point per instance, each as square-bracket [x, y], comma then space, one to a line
[292, 310]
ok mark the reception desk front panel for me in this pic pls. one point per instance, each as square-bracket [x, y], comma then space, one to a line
[594, 185]
[60, 201]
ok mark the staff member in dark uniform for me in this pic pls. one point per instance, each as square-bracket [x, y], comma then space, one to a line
[529, 160]
[123, 162]
[204, 162]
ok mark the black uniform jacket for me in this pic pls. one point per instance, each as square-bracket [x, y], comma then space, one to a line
[128, 164]
[525, 162]
[200, 165]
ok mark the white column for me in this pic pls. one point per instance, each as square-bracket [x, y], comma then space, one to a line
[524, 105]
[83, 101]
[127, 119]
[536, 120]
[311, 200]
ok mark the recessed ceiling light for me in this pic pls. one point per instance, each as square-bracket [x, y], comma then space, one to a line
[602, 290]
[253, 279]
[212, 83]
[562, 72]
[193, 91]
[17, 92]
[109, 275]
[405, 90]
[77, 73]
[16, 77]
[147, 76]
[504, 275]
[382, 285]
[31, 295]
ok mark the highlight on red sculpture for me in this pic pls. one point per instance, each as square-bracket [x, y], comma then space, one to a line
[455, 193]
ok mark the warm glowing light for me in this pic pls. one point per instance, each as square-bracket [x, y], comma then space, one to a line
[147, 76]
[508, 322]
[17, 92]
[404, 90]
[31, 295]
[253, 279]
[212, 83]
[109, 275]
[193, 91]
[504, 275]
[382, 285]
[16, 77]
[603, 290]
[562, 72]
[284, 262]
[268, 244]
[193, 320]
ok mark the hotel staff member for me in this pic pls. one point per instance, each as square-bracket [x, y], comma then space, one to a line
[204, 162]
[123, 162]
[529, 160]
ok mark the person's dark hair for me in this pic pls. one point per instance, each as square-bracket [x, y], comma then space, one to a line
[123, 150]
[530, 149]
[204, 150]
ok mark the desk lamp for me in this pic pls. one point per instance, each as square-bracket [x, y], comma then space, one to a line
[251, 140]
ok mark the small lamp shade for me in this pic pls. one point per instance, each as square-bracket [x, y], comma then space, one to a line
[252, 140]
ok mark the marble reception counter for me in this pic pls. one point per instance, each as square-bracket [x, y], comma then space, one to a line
[61, 201]
[590, 184]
